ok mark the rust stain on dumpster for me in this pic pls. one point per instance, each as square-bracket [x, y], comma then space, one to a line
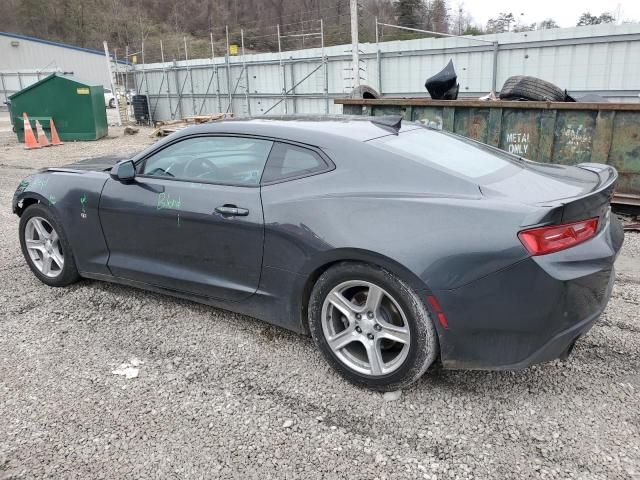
[625, 151]
[432, 117]
[473, 123]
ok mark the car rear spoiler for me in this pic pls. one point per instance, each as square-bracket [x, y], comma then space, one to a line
[598, 200]
[593, 204]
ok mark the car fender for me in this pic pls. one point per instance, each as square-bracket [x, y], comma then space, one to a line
[73, 197]
[323, 260]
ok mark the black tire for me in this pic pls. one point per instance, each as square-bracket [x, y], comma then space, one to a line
[520, 87]
[112, 103]
[423, 343]
[69, 272]
[364, 91]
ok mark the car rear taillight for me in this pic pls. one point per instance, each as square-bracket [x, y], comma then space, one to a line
[553, 238]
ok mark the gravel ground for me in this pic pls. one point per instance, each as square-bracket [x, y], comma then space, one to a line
[220, 395]
[13, 155]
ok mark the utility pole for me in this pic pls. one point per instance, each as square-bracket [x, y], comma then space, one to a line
[228, 60]
[353, 4]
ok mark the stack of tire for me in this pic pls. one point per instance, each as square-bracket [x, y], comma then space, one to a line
[141, 108]
[520, 87]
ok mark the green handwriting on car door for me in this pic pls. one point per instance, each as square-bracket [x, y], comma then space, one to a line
[40, 183]
[167, 202]
[23, 186]
[83, 204]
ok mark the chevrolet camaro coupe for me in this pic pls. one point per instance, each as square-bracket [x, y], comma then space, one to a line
[393, 245]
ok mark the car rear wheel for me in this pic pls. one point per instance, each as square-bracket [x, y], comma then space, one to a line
[45, 247]
[112, 103]
[371, 326]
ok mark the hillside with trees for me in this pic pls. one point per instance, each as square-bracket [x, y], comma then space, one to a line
[122, 23]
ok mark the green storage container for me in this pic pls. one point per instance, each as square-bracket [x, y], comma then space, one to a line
[77, 108]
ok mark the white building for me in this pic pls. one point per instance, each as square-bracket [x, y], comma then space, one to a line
[24, 60]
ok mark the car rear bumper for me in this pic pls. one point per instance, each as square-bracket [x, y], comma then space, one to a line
[532, 311]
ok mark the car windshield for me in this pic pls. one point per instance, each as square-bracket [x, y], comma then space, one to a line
[446, 152]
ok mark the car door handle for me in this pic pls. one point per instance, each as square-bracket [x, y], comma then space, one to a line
[232, 211]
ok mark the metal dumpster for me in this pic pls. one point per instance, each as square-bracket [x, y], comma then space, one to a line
[566, 133]
[77, 108]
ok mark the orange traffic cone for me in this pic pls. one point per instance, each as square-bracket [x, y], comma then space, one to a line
[29, 138]
[43, 141]
[55, 139]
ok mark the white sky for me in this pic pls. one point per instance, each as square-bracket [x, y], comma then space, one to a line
[564, 12]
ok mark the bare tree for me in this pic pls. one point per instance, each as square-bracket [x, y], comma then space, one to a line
[548, 24]
[501, 23]
[588, 19]
[129, 22]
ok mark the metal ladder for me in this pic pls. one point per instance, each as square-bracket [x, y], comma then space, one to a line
[348, 73]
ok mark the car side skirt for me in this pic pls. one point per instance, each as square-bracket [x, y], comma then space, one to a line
[272, 307]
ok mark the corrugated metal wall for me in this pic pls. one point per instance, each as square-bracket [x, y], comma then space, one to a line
[11, 82]
[35, 59]
[602, 59]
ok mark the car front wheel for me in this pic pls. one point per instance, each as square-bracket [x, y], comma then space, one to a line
[371, 326]
[45, 247]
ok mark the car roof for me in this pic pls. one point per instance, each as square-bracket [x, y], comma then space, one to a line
[310, 129]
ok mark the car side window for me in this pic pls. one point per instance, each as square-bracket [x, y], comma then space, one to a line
[215, 159]
[289, 161]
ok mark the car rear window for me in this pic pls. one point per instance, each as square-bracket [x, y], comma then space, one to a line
[446, 152]
[290, 161]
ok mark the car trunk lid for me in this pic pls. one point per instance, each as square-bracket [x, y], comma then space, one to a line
[567, 193]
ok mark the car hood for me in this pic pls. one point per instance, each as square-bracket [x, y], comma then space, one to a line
[97, 164]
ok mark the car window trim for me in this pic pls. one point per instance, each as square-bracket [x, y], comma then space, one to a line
[142, 161]
[328, 163]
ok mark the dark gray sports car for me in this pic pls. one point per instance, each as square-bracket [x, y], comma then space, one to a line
[393, 245]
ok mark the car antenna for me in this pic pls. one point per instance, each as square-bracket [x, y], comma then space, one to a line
[392, 123]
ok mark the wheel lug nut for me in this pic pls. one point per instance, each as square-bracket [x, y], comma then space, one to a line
[370, 336]
[358, 329]
[377, 327]
[370, 314]
[358, 316]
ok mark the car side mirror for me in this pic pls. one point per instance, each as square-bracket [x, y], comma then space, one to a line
[124, 171]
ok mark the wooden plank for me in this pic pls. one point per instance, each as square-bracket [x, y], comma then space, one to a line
[195, 119]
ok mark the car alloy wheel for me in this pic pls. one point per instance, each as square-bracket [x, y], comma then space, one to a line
[44, 248]
[365, 328]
